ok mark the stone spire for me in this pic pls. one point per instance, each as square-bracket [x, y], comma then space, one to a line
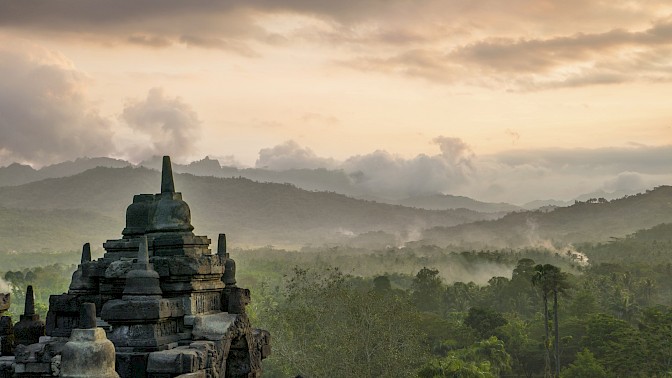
[81, 280]
[86, 253]
[143, 280]
[167, 183]
[221, 245]
[229, 277]
[29, 308]
[29, 328]
[170, 212]
[87, 316]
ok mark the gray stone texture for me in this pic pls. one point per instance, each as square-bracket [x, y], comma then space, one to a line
[6, 336]
[30, 328]
[6, 367]
[88, 354]
[170, 306]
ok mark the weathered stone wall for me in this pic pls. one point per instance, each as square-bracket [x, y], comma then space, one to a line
[159, 304]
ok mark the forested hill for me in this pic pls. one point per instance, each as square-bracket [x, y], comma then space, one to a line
[251, 213]
[446, 201]
[320, 179]
[581, 222]
[652, 246]
[18, 174]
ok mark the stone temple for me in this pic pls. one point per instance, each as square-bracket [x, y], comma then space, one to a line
[158, 304]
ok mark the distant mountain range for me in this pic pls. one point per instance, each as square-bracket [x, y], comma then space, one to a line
[64, 205]
[581, 222]
[63, 213]
[446, 201]
[337, 181]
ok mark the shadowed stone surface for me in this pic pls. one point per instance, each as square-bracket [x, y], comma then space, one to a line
[6, 336]
[170, 306]
[29, 328]
[6, 326]
[88, 353]
[87, 316]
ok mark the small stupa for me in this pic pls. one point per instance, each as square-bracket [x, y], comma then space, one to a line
[88, 353]
[30, 328]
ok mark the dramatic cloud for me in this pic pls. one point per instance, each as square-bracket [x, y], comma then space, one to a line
[44, 112]
[518, 44]
[381, 173]
[169, 126]
[626, 181]
[612, 160]
[563, 174]
[455, 151]
[512, 176]
[290, 155]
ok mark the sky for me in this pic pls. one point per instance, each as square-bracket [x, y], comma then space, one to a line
[499, 100]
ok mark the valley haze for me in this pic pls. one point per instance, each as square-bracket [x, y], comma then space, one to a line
[408, 188]
[57, 205]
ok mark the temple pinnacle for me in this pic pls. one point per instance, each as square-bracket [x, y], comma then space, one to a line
[29, 308]
[86, 253]
[87, 316]
[167, 184]
[221, 245]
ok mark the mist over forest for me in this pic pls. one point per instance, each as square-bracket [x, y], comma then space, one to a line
[328, 262]
[421, 188]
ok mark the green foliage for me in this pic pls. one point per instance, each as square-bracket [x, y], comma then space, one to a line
[521, 344]
[551, 281]
[486, 358]
[453, 366]
[653, 246]
[427, 310]
[382, 283]
[484, 321]
[617, 346]
[324, 325]
[581, 222]
[585, 366]
[427, 290]
[47, 280]
[655, 327]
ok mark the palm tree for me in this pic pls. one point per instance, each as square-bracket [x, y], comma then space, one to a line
[549, 279]
[539, 280]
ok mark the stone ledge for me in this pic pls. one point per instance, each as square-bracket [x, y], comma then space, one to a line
[213, 326]
[141, 308]
[198, 374]
[179, 360]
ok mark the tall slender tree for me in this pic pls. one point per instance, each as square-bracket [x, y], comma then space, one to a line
[539, 280]
[551, 280]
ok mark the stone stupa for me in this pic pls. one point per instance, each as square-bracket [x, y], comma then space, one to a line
[169, 305]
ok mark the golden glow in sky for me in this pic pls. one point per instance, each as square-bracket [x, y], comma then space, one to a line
[338, 79]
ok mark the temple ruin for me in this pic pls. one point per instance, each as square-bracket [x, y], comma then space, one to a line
[158, 304]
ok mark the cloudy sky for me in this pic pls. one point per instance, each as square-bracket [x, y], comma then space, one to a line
[501, 100]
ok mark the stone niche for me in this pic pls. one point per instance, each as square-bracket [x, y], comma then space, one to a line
[168, 304]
